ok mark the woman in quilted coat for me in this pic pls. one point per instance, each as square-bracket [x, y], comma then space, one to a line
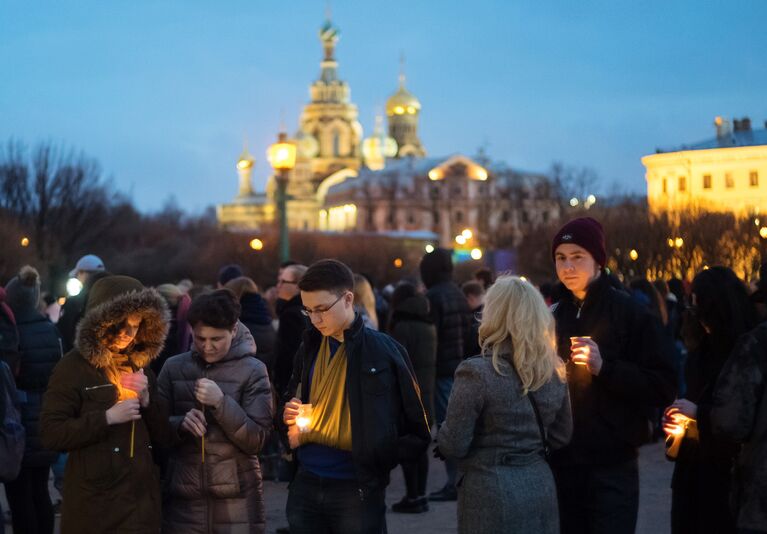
[220, 404]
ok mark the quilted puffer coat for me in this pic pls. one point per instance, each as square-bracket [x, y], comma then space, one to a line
[225, 493]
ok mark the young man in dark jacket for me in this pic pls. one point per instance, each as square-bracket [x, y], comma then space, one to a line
[618, 371]
[451, 315]
[366, 412]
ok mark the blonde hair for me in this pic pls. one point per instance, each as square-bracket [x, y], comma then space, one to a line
[241, 285]
[518, 327]
[364, 296]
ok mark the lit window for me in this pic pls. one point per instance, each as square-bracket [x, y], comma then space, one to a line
[706, 181]
[753, 179]
[729, 183]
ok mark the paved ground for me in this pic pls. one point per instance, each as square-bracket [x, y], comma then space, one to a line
[654, 504]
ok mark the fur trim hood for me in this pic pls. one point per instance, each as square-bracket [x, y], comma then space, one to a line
[115, 298]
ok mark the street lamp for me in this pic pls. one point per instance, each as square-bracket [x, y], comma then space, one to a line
[633, 254]
[256, 244]
[282, 157]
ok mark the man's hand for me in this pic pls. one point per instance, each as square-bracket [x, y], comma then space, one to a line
[293, 433]
[585, 351]
[194, 423]
[208, 393]
[291, 411]
[139, 383]
[123, 411]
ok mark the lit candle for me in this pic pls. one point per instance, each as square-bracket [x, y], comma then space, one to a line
[582, 352]
[304, 417]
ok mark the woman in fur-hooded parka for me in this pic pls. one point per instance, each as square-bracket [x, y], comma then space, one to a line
[105, 489]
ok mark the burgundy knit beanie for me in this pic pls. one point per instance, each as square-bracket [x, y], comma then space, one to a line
[584, 232]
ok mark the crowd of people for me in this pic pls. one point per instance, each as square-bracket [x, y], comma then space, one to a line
[164, 409]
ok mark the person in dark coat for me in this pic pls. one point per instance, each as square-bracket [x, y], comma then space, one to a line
[101, 406]
[618, 373]
[452, 318]
[475, 297]
[88, 271]
[492, 424]
[739, 413]
[221, 411]
[721, 313]
[292, 324]
[9, 335]
[366, 414]
[179, 332]
[411, 326]
[40, 351]
[256, 316]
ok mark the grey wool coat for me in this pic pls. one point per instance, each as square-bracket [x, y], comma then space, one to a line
[224, 494]
[491, 429]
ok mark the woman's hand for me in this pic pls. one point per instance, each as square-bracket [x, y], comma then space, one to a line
[291, 412]
[123, 411]
[139, 383]
[293, 433]
[585, 351]
[208, 393]
[194, 423]
[684, 407]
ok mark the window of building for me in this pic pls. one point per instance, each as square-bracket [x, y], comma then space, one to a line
[665, 187]
[436, 217]
[682, 183]
[457, 190]
[525, 217]
[410, 218]
[458, 216]
[753, 178]
[545, 216]
[706, 181]
[729, 183]
[505, 216]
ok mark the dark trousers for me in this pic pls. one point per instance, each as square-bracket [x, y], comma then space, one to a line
[30, 502]
[416, 473]
[319, 505]
[598, 499]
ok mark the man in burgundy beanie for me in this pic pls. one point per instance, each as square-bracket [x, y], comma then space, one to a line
[618, 371]
[585, 232]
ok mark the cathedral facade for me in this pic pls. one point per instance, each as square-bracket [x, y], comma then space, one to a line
[343, 182]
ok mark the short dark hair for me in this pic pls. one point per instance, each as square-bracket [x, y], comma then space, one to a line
[218, 309]
[474, 288]
[229, 272]
[485, 276]
[327, 275]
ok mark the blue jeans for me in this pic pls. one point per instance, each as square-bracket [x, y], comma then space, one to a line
[442, 389]
[318, 505]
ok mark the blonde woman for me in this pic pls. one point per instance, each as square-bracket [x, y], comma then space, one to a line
[365, 301]
[492, 427]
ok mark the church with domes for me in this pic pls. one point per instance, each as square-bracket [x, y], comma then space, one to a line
[339, 182]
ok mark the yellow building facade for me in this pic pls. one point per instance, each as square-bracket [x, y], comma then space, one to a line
[725, 174]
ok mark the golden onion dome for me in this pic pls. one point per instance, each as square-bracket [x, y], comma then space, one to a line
[245, 161]
[403, 102]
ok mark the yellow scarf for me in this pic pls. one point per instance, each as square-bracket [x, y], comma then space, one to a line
[331, 423]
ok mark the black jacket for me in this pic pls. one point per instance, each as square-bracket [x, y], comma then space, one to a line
[292, 326]
[40, 348]
[255, 315]
[611, 410]
[451, 315]
[388, 419]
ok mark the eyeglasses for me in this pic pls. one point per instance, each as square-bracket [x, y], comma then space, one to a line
[307, 312]
[280, 281]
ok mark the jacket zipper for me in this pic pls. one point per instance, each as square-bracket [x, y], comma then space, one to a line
[202, 465]
[98, 387]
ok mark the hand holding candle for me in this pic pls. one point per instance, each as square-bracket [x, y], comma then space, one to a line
[304, 417]
[208, 393]
[138, 383]
[291, 411]
[194, 422]
[584, 351]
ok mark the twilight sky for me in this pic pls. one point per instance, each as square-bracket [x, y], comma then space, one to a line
[163, 92]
